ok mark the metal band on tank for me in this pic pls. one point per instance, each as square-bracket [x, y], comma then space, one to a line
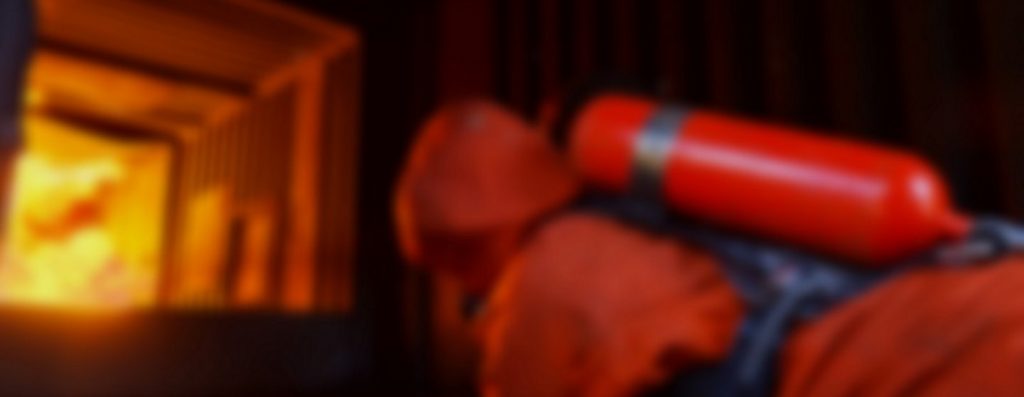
[652, 148]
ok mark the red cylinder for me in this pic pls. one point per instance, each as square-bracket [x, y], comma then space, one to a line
[860, 202]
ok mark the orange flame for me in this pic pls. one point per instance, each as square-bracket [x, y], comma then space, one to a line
[58, 250]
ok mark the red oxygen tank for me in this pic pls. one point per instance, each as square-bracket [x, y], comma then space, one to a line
[856, 201]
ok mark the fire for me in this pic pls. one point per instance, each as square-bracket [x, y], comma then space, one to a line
[86, 219]
[58, 249]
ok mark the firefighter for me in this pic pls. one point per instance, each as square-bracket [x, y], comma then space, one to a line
[484, 194]
[582, 304]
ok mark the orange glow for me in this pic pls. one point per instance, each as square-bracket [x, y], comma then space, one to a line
[176, 158]
[85, 221]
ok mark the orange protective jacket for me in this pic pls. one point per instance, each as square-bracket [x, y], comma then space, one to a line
[930, 332]
[591, 307]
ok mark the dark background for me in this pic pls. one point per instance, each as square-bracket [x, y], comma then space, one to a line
[943, 78]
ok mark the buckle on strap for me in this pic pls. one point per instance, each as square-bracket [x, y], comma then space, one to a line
[991, 238]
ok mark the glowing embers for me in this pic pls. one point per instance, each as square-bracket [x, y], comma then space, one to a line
[86, 220]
